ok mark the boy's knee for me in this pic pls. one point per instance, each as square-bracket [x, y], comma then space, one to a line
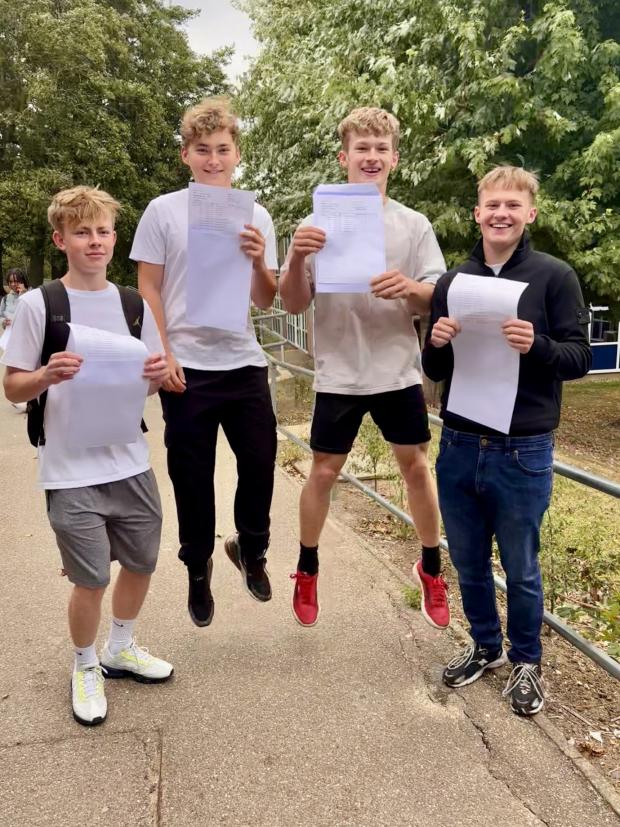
[416, 472]
[324, 476]
[89, 594]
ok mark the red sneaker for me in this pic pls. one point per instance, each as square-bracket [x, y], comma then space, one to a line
[305, 601]
[434, 593]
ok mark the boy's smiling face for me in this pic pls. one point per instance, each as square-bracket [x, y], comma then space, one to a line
[368, 159]
[503, 215]
[212, 158]
[88, 245]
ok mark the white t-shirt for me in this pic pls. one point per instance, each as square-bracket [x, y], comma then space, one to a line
[363, 344]
[161, 238]
[62, 465]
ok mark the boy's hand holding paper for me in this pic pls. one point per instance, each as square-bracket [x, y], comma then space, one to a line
[391, 285]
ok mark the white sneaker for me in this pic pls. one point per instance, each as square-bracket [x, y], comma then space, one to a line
[87, 696]
[135, 662]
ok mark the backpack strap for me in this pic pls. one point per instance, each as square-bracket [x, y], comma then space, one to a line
[133, 308]
[57, 318]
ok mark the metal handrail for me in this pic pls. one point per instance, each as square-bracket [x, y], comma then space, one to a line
[595, 654]
[561, 468]
[273, 314]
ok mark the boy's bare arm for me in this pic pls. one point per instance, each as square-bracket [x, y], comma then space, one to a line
[295, 288]
[150, 280]
[420, 300]
[263, 287]
[23, 385]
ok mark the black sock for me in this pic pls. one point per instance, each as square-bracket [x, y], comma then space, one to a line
[431, 560]
[308, 559]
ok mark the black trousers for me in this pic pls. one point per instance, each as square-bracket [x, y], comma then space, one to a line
[239, 401]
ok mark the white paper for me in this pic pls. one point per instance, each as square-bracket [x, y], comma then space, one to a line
[4, 339]
[218, 272]
[108, 393]
[486, 369]
[354, 251]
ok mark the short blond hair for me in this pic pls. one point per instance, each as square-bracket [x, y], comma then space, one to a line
[370, 120]
[208, 116]
[73, 206]
[510, 178]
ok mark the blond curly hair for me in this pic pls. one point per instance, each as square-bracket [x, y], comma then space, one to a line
[208, 116]
[77, 204]
[370, 120]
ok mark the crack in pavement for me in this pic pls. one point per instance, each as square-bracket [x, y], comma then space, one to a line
[411, 651]
[491, 770]
[79, 736]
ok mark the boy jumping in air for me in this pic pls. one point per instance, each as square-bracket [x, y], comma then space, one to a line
[367, 359]
[217, 377]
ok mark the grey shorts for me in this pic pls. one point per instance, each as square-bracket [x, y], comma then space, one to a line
[96, 524]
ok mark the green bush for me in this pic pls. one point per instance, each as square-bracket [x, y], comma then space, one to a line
[580, 561]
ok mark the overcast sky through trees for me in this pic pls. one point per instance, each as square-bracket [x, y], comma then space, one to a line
[220, 24]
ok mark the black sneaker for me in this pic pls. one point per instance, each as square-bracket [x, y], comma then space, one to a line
[471, 663]
[253, 572]
[526, 690]
[200, 600]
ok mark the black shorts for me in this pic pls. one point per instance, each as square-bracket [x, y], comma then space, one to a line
[400, 415]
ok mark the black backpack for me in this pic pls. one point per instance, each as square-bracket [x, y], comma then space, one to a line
[57, 318]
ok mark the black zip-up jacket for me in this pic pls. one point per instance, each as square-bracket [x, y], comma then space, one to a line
[553, 302]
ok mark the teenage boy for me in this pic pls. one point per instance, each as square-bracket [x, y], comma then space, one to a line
[216, 377]
[493, 484]
[367, 360]
[102, 503]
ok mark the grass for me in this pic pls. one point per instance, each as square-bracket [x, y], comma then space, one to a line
[412, 598]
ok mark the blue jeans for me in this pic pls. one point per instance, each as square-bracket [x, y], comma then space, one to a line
[495, 485]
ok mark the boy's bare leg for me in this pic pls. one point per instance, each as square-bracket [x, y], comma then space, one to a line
[84, 615]
[129, 592]
[421, 491]
[315, 496]
[121, 656]
[313, 510]
[424, 509]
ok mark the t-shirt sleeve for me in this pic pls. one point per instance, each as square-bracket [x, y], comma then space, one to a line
[265, 225]
[429, 263]
[27, 333]
[149, 243]
[150, 332]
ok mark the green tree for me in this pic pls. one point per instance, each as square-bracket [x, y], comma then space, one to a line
[91, 91]
[474, 83]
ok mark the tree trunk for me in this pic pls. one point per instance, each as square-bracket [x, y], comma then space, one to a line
[37, 261]
[58, 265]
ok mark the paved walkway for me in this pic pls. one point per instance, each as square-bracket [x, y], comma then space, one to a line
[265, 723]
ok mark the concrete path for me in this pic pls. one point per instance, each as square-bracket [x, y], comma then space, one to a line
[265, 723]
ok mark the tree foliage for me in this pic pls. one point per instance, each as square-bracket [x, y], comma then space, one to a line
[91, 91]
[474, 83]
